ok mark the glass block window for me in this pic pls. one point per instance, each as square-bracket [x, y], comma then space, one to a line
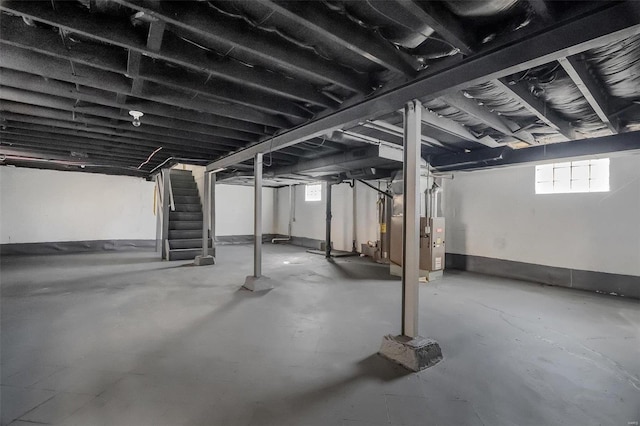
[313, 192]
[573, 176]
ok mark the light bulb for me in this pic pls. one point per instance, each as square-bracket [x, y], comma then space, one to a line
[136, 117]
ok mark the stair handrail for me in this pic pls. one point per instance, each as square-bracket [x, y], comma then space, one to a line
[172, 202]
[160, 189]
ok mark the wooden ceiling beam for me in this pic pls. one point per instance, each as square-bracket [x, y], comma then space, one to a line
[521, 93]
[261, 47]
[140, 68]
[18, 59]
[118, 32]
[189, 130]
[592, 90]
[35, 83]
[346, 34]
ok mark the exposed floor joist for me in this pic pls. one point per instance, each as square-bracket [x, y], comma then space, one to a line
[348, 35]
[520, 91]
[114, 32]
[17, 59]
[590, 88]
[246, 43]
[501, 124]
[570, 38]
[31, 82]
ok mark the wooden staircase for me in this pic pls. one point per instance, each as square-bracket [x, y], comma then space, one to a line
[185, 222]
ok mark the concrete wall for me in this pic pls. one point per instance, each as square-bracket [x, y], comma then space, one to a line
[310, 217]
[51, 206]
[496, 214]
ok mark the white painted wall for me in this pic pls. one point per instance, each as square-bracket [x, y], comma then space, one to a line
[50, 206]
[310, 217]
[234, 210]
[497, 214]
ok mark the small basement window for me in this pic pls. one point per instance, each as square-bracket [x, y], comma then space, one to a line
[313, 192]
[573, 176]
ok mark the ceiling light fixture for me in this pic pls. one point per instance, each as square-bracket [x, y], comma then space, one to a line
[136, 117]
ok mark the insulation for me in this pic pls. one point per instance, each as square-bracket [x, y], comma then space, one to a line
[495, 98]
[562, 94]
[618, 65]
[474, 8]
[441, 108]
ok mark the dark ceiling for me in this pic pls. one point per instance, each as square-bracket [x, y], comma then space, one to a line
[215, 77]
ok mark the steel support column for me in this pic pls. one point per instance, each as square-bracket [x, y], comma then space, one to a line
[257, 218]
[166, 182]
[212, 212]
[327, 240]
[205, 214]
[411, 218]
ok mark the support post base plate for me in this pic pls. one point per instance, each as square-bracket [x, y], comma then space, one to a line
[262, 283]
[415, 354]
[204, 260]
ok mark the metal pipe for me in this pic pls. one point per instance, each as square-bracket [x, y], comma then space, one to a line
[354, 240]
[257, 218]
[375, 189]
[212, 212]
[411, 218]
[327, 240]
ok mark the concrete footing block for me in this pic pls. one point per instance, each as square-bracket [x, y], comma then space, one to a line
[258, 284]
[414, 354]
[204, 260]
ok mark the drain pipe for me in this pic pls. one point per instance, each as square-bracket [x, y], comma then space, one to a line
[291, 206]
[354, 242]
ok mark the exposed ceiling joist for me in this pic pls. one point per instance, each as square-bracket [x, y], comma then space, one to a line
[25, 81]
[93, 127]
[141, 69]
[115, 32]
[27, 154]
[348, 35]
[133, 71]
[80, 127]
[159, 135]
[590, 88]
[491, 119]
[521, 93]
[253, 45]
[63, 144]
[569, 38]
[197, 131]
[90, 138]
[496, 157]
[398, 131]
[17, 59]
[454, 128]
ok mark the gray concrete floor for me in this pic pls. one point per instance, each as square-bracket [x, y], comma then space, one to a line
[124, 339]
